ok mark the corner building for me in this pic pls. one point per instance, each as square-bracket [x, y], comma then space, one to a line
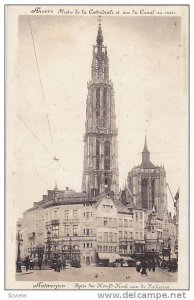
[70, 224]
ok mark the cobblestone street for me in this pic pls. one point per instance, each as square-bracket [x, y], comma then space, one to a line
[97, 274]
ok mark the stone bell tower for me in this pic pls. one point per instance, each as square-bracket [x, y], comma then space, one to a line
[100, 169]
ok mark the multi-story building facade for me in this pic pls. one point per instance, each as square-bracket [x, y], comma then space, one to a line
[170, 234]
[153, 234]
[106, 226]
[67, 223]
[139, 231]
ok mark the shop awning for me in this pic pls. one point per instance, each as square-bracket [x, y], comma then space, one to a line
[112, 257]
[116, 256]
[139, 242]
[127, 258]
[104, 255]
[173, 256]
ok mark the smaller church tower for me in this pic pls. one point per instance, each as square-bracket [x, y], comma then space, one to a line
[147, 184]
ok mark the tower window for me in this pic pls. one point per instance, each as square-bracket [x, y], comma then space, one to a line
[105, 102]
[144, 193]
[97, 154]
[107, 155]
[103, 69]
[99, 183]
[153, 192]
[97, 102]
[107, 183]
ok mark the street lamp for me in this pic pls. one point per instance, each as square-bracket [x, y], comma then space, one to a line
[169, 247]
[176, 249]
[163, 252]
[49, 244]
[70, 247]
[18, 261]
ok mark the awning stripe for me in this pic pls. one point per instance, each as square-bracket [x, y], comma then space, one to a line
[127, 258]
[112, 257]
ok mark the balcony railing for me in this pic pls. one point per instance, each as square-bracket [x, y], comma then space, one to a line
[125, 240]
[53, 222]
[142, 242]
[71, 220]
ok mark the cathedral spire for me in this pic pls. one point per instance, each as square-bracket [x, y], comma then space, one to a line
[145, 149]
[99, 39]
[100, 62]
[146, 163]
[145, 153]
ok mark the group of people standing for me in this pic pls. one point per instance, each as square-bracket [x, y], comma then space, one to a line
[143, 266]
[59, 265]
[29, 263]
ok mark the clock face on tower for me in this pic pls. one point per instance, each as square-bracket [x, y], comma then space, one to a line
[101, 123]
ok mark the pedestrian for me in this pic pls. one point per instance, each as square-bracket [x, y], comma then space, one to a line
[59, 264]
[40, 263]
[144, 268]
[175, 266]
[55, 265]
[27, 263]
[31, 264]
[153, 265]
[64, 264]
[149, 265]
[138, 266]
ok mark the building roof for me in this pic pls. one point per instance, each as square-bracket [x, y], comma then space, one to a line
[121, 207]
[147, 165]
[62, 197]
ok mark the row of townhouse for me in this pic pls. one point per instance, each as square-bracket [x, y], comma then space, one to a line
[160, 235]
[89, 226]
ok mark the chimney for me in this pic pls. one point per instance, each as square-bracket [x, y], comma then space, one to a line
[67, 188]
[44, 197]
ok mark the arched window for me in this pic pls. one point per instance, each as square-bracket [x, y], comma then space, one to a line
[153, 192]
[103, 68]
[105, 102]
[97, 154]
[144, 193]
[107, 184]
[97, 102]
[99, 183]
[107, 155]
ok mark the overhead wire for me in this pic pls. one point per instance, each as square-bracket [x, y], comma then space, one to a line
[40, 177]
[34, 135]
[42, 91]
[41, 86]
[38, 140]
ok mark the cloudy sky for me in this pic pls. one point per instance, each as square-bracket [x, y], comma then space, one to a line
[147, 68]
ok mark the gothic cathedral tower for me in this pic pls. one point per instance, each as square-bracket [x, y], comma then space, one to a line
[100, 169]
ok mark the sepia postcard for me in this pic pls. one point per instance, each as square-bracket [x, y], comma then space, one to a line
[97, 147]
